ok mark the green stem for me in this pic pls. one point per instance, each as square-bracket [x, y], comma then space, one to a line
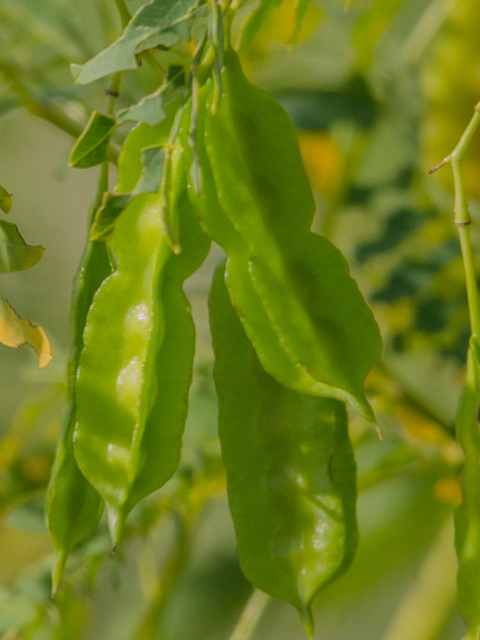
[41, 109]
[422, 612]
[425, 29]
[148, 628]
[415, 401]
[463, 220]
[125, 15]
[471, 282]
[102, 187]
[467, 418]
[250, 616]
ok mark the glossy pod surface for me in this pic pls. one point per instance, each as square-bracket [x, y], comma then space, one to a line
[74, 508]
[290, 470]
[135, 370]
[311, 344]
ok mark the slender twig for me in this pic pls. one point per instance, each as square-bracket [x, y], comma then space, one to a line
[463, 218]
[467, 425]
[422, 612]
[112, 94]
[166, 585]
[250, 616]
[38, 30]
[463, 221]
[41, 109]
[425, 29]
[125, 15]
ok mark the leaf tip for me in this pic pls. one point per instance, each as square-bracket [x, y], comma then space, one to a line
[5, 200]
[76, 70]
[43, 348]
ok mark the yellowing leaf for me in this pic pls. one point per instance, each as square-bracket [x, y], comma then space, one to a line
[5, 200]
[15, 331]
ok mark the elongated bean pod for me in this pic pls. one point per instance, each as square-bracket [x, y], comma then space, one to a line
[304, 315]
[290, 470]
[127, 358]
[74, 508]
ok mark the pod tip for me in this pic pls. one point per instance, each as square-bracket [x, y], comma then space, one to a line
[306, 616]
[116, 520]
[58, 570]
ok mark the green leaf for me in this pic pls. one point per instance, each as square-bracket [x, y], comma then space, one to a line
[155, 24]
[106, 217]
[130, 162]
[301, 8]
[5, 200]
[149, 110]
[255, 20]
[151, 177]
[91, 147]
[15, 254]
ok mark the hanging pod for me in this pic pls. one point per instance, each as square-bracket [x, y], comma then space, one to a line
[291, 288]
[136, 365]
[291, 473]
[74, 508]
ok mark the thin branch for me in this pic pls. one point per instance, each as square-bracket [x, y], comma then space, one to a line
[422, 612]
[125, 15]
[251, 616]
[40, 109]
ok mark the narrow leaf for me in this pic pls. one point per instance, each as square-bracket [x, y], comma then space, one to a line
[15, 331]
[5, 200]
[15, 254]
[301, 8]
[91, 147]
[256, 19]
[106, 217]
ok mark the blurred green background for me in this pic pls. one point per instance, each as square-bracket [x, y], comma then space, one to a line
[380, 91]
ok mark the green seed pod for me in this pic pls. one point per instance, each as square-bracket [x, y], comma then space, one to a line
[291, 473]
